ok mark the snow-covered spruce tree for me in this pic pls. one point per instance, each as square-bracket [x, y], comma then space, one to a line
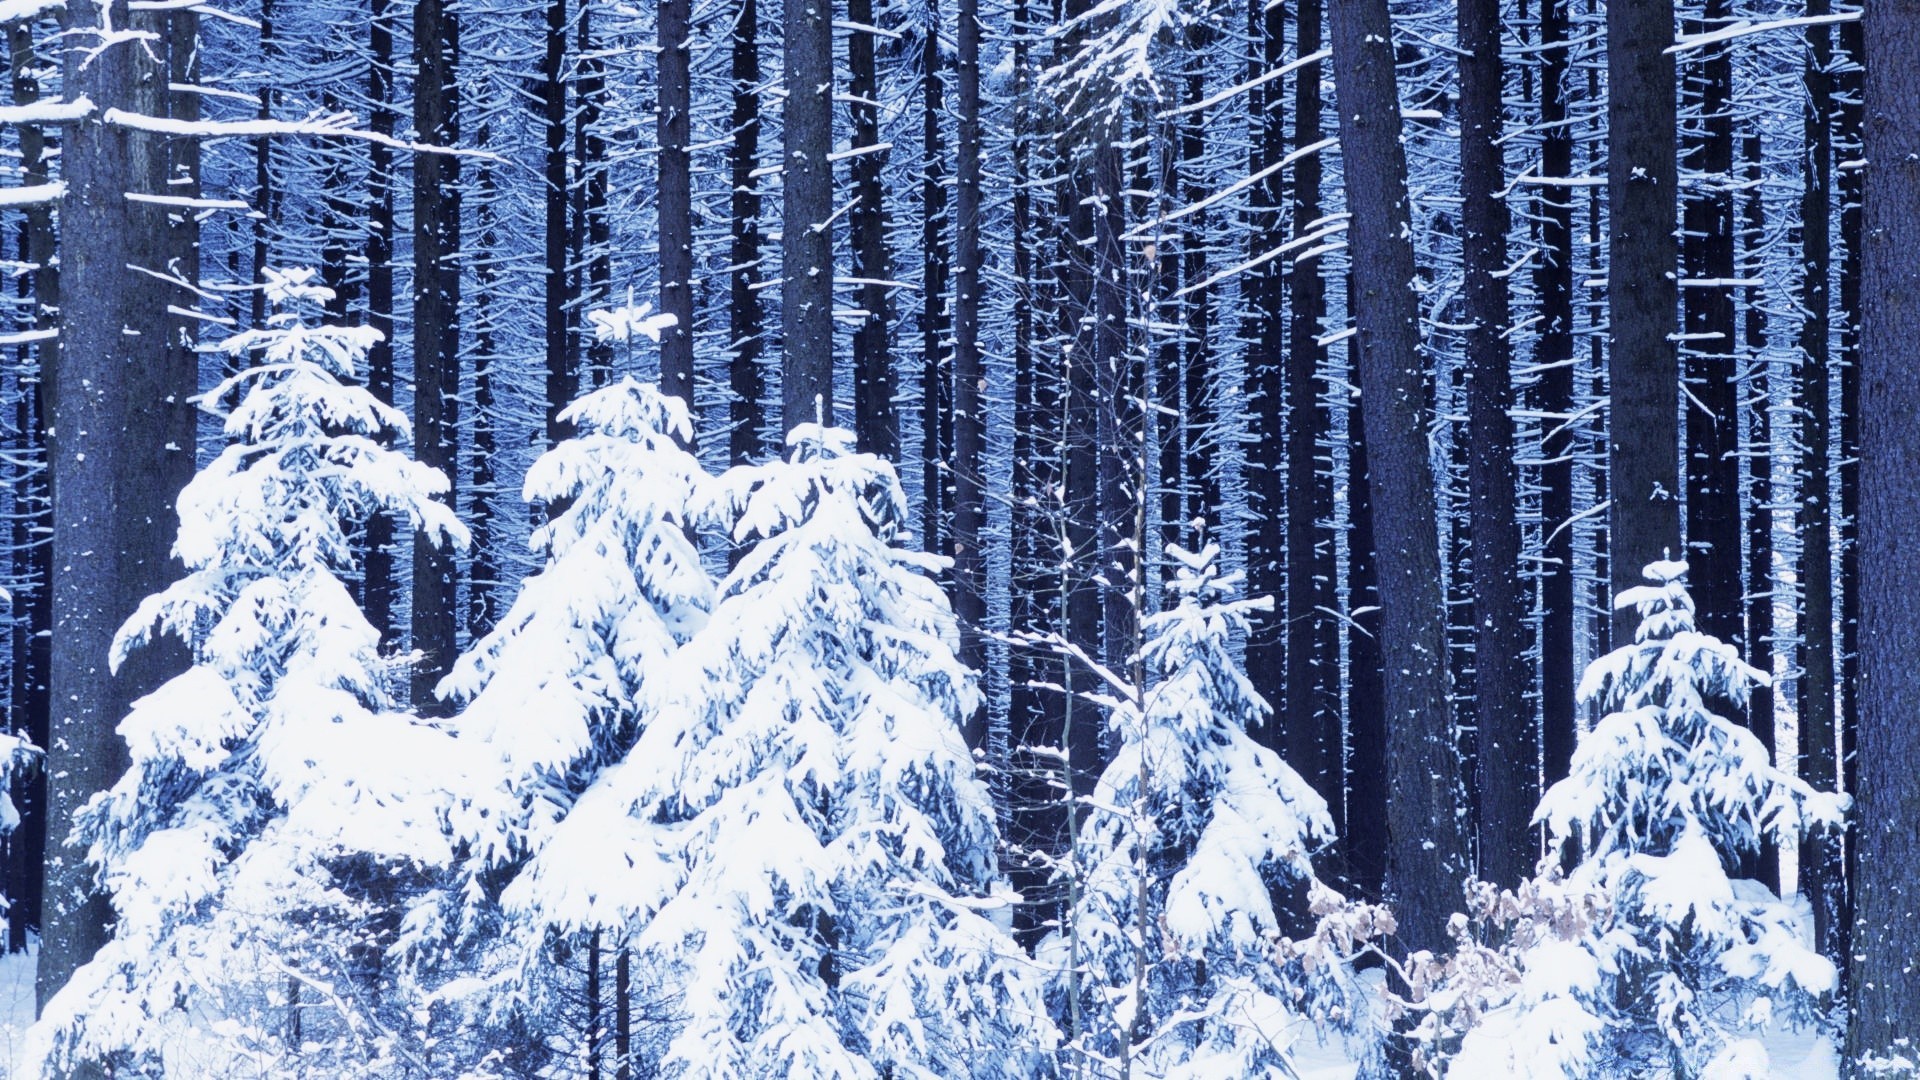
[258, 849]
[555, 697]
[1647, 958]
[818, 858]
[1195, 858]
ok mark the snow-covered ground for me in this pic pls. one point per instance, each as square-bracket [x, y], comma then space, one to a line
[1795, 1055]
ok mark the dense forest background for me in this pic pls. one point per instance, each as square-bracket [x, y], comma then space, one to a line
[1440, 320]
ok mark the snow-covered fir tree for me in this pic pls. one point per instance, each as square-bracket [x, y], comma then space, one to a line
[1648, 958]
[1195, 863]
[277, 809]
[556, 695]
[815, 855]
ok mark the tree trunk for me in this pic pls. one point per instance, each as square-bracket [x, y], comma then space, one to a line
[1713, 412]
[936, 387]
[673, 128]
[563, 373]
[1642, 443]
[378, 580]
[806, 290]
[969, 377]
[1313, 738]
[1369, 838]
[1886, 937]
[1507, 774]
[120, 442]
[745, 321]
[591, 227]
[436, 332]
[1553, 354]
[874, 419]
[1427, 852]
[1822, 872]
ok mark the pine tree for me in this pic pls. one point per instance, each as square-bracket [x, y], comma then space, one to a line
[255, 848]
[558, 692]
[1195, 861]
[1648, 957]
[821, 863]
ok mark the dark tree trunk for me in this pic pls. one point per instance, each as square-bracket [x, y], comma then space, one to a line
[1758, 453]
[1199, 440]
[1643, 439]
[874, 419]
[1118, 418]
[1553, 354]
[592, 231]
[563, 372]
[1886, 937]
[1427, 851]
[483, 572]
[806, 289]
[266, 199]
[1367, 824]
[436, 331]
[1713, 412]
[936, 388]
[33, 609]
[378, 579]
[1823, 876]
[676, 198]
[1313, 737]
[1850, 122]
[1265, 299]
[969, 377]
[120, 442]
[1507, 775]
[746, 381]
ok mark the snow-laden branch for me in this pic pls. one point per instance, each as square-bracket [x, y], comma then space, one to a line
[337, 125]
[32, 194]
[46, 112]
[1744, 27]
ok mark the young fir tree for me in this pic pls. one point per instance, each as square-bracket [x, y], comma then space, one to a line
[1195, 863]
[277, 808]
[1646, 958]
[817, 855]
[556, 695]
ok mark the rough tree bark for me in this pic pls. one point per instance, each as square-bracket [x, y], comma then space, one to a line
[806, 288]
[120, 439]
[1427, 851]
[745, 379]
[1643, 428]
[875, 421]
[969, 378]
[1506, 775]
[1886, 936]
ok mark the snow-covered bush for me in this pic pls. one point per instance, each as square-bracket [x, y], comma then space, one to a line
[1647, 958]
[259, 847]
[556, 694]
[1194, 866]
[815, 855]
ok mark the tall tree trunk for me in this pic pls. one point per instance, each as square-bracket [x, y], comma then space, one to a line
[1823, 874]
[875, 422]
[483, 573]
[1642, 444]
[591, 228]
[936, 386]
[436, 331]
[806, 290]
[1850, 122]
[33, 610]
[1886, 937]
[969, 377]
[1313, 740]
[1553, 354]
[563, 373]
[1713, 410]
[673, 129]
[1428, 851]
[1267, 465]
[1758, 453]
[121, 433]
[378, 584]
[1367, 825]
[746, 382]
[1507, 774]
